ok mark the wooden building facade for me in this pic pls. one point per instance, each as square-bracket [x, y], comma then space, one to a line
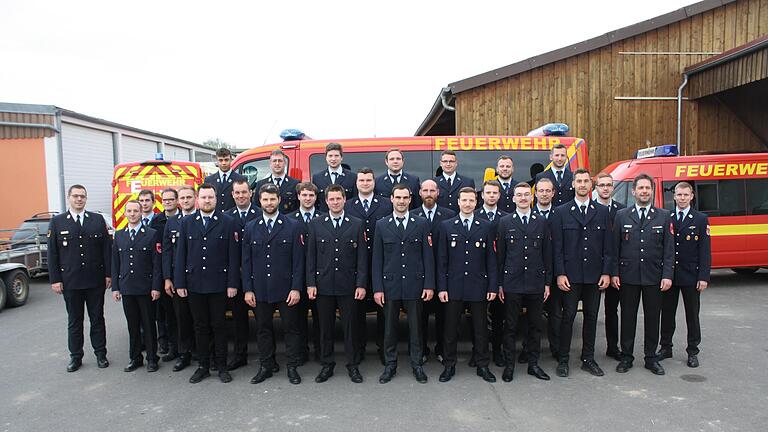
[619, 90]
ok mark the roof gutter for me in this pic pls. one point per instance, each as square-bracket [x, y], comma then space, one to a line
[680, 108]
[29, 125]
[445, 93]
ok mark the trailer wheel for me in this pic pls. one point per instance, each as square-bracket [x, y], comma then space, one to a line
[745, 270]
[3, 295]
[16, 287]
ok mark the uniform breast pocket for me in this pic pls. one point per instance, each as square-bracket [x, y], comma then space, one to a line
[536, 241]
[283, 246]
[389, 246]
[658, 234]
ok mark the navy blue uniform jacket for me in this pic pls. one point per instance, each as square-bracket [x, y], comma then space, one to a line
[466, 263]
[403, 263]
[289, 199]
[273, 263]
[207, 259]
[582, 246]
[136, 264]
[563, 191]
[79, 256]
[524, 254]
[323, 179]
[693, 249]
[224, 199]
[337, 259]
[644, 250]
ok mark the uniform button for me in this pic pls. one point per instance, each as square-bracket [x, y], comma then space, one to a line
[337, 240]
[267, 265]
[525, 236]
[203, 267]
[641, 260]
[525, 268]
[677, 253]
[268, 245]
[337, 269]
[585, 228]
[268, 275]
[465, 273]
[641, 240]
[203, 257]
[526, 257]
[466, 262]
[678, 244]
[129, 256]
[81, 245]
[338, 259]
[131, 271]
[337, 250]
[585, 248]
[466, 241]
[205, 238]
[402, 243]
[402, 254]
[466, 252]
[677, 262]
[526, 247]
[203, 247]
[585, 238]
[641, 230]
[130, 263]
[267, 255]
[403, 265]
[84, 255]
[641, 250]
[403, 276]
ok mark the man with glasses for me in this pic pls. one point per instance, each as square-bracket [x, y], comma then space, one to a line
[525, 272]
[167, 331]
[278, 176]
[611, 301]
[451, 182]
[79, 267]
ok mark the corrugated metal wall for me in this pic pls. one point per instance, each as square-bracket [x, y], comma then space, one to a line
[11, 132]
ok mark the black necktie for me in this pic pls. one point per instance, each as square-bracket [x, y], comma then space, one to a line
[224, 178]
[242, 215]
[559, 177]
[401, 223]
[642, 213]
[505, 186]
[395, 178]
[545, 213]
[525, 220]
[278, 181]
[490, 216]
[466, 225]
[583, 208]
[206, 220]
[450, 182]
[133, 234]
[429, 215]
[335, 177]
[79, 222]
[145, 221]
[679, 217]
[365, 206]
[269, 225]
[336, 222]
[307, 217]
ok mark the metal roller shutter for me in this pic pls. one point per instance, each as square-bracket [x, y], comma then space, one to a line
[137, 149]
[88, 160]
[176, 153]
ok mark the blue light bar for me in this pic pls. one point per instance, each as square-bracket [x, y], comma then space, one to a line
[658, 151]
[292, 135]
[551, 129]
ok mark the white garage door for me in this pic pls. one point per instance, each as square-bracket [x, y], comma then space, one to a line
[176, 153]
[137, 150]
[88, 160]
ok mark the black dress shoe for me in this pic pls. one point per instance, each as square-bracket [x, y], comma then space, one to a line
[447, 374]
[152, 366]
[293, 375]
[472, 362]
[237, 362]
[509, 374]
[655, 367]
[261, 375]
[486, 374]
[74, 364]
[418, 373]
[102, 362]
[172, 355]
[133, 365]
[614, 354]
[182, 362]
[664, 353]
[162, 349]
[224, 376]
[388, 374]
[200, 374]
[522, 358]
[538, 372]
[499, 359]
[592, 367]
[693, 361]
[325, 373]
[354, 375]
[624, 366]
[562, 369]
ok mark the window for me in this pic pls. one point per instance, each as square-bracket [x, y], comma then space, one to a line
[474, 163]
[622, 194]
[418, 163]
[731, 198]
[706, 192]
[757, 196]
[258, 169]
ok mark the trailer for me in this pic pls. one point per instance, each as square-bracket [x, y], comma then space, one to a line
[19, 261]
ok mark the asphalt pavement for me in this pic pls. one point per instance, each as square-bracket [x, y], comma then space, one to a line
[729, 392]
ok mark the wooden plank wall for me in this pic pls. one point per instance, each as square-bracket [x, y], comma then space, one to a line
[11, 132]
[581, 90]
[741, 71]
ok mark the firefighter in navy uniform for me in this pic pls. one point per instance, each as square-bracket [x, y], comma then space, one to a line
[337, 276]
[491, 211]
[223, 179]
[369, 208]
[523, 283]
[544, 191]
[505, 169]
[582, 252]
[693, 262]
[307, 212]
[334, 173]
[138, 283]
[466, 272]
[644, 241]
[166, 315]
[394, 160]
[79, 269]
[243, 212]
[289, 200]
[403, 277]
[273, 268]
[560, 175]
[450, 182]
[207, 270]
[435, 214]
[604, 189]
[184, 325]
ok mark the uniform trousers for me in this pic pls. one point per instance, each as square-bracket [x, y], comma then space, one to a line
[454, 310]
[140, 313]
[589, 295]
[265, 332]
[513, 304]
[209, 315]
[413, 309]
[326, 313]
[692, 304]
[629, 296]
[76, 301]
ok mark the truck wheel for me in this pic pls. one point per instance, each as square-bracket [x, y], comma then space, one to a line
[3, 295]
[16, 287]
[745, 270]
